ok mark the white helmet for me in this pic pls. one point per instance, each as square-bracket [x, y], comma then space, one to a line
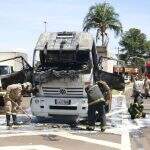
[27, 85]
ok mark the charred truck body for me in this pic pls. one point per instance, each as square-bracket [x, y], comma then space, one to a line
[64, 64]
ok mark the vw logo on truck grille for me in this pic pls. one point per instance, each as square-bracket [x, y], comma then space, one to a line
[63, 91]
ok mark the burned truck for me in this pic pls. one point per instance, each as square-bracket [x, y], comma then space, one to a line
[64, 63]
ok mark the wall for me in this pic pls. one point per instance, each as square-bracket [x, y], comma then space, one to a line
[106, 64]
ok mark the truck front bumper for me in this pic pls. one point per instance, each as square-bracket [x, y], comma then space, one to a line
[47, 106]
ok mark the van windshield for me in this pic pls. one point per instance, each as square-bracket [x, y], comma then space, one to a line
[4, 70]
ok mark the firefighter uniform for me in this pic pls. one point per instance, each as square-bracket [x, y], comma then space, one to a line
[97, 97]
[107, 93]
[13, 99]
[136, 110]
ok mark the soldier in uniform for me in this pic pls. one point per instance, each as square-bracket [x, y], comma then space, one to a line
[146, 87]
[13, 99]
[98, 96]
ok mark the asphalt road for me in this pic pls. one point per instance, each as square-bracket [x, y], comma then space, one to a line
[121, 133]
[140, 138]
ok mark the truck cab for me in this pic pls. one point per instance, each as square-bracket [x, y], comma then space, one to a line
[64, 64]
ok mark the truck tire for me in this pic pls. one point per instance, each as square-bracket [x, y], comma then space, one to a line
[73, 124]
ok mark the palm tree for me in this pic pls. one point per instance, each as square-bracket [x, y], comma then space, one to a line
[102, 17]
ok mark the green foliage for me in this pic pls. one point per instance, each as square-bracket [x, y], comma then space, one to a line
[133, 43]
[147, 46]
[137, 62]
[102, 17]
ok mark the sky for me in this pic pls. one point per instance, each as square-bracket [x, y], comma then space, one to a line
[21, 21]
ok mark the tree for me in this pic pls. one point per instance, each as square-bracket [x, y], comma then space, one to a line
[147, 49]
[137, 61]
[147, 46]
[102, 17]
[133, 44]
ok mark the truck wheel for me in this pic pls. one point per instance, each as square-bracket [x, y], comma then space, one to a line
[73, 124]
[39, 119]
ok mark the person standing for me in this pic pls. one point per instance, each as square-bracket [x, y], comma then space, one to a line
[104, 106]
[146, 87]
[97, 97]
[13, 99]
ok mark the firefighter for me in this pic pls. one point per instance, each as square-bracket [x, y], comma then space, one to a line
[91, 109]
[136, 110]
[98, 95]
[13, 99]
[146, 87]
[107, 93]
[104, 106]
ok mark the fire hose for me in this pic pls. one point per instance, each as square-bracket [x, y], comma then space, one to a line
[22, 110]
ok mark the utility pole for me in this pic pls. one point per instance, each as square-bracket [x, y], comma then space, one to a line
[118, 56]
[45, 22]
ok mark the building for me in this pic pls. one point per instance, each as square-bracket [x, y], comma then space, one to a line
[107, 64]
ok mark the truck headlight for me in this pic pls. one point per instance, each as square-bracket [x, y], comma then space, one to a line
[84, 101]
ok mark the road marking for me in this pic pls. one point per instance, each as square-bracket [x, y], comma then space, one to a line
[69, 136]
[90, 140]
[125, 138]
[28, 147]
[115, 112]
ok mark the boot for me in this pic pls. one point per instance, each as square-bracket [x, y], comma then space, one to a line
[90, 128]
[8, 120]
[14, 117]
[103, 128]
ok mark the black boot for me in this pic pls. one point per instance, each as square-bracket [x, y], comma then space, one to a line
[8, 119]
[14, 117]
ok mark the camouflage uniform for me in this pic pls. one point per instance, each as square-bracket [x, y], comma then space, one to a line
[13, 95]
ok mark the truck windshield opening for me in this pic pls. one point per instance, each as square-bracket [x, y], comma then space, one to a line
[65, 60]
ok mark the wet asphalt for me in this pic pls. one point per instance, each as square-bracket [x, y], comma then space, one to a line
[139, 130]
